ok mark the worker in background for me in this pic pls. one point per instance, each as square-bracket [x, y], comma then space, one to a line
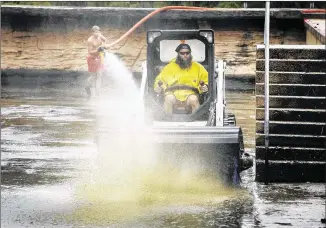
[185, 75]
[95, 60]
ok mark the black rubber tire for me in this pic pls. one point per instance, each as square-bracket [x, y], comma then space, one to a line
[230, 120]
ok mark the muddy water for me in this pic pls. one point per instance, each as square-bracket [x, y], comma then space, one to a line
[48, 149]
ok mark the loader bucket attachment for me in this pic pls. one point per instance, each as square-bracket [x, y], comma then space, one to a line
[213, 151]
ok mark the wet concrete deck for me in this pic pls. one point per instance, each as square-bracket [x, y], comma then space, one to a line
[48, 152]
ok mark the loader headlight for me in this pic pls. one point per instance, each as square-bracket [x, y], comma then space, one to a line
[152, 35]
[208, 35]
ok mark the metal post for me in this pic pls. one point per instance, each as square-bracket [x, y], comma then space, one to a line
[266, 100]
[220, 96]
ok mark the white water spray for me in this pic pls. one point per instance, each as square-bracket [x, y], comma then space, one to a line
[120, 98]
[122, 78]
[119, 112]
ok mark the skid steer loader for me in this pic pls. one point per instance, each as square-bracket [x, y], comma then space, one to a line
[208, 138]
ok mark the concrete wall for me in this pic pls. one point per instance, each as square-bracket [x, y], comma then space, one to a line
[53, 38]
[311, 39]
[315, 31]
[62, 18]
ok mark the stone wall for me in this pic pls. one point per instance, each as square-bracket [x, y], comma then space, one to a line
[68, 51]
[63, 47]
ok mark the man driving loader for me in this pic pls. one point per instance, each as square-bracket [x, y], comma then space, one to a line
[181, 80]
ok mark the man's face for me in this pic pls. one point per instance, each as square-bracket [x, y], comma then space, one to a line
[184, 58]
[184, 54]
[96, 33]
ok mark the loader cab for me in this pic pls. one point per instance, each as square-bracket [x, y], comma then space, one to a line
[161, 45]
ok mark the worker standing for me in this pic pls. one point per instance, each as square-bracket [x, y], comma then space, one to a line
[95, 60]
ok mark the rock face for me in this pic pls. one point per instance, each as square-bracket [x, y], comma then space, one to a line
[58, 42]
[68, 51]
[63, 51]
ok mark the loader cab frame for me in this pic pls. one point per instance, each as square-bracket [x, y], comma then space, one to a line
[155, 62]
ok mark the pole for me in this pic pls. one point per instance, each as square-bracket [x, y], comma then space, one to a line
[266, 100]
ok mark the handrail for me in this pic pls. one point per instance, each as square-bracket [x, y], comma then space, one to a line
[220, 95]
[266, 100]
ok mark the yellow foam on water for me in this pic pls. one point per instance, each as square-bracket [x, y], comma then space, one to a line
[107, 201]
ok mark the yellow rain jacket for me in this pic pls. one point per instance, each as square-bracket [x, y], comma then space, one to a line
[173, 75]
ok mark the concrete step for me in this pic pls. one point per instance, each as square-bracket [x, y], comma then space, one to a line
[290, 65]
[291, 153]
[292, 52]
[304, 128]
[288, 171]
[280, 77]
[292, 140]
[302, 102]
[292, 89]
[283, 114]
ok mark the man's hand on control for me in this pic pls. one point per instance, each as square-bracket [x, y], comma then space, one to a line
[203, 87]
[159, 87]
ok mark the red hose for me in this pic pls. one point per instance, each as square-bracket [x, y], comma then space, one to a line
[314, 11]
[190, 8]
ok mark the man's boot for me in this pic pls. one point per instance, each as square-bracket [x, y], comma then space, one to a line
[88, 91]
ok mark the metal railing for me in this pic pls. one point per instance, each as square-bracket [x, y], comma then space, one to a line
[266, 100]
[220, 94]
